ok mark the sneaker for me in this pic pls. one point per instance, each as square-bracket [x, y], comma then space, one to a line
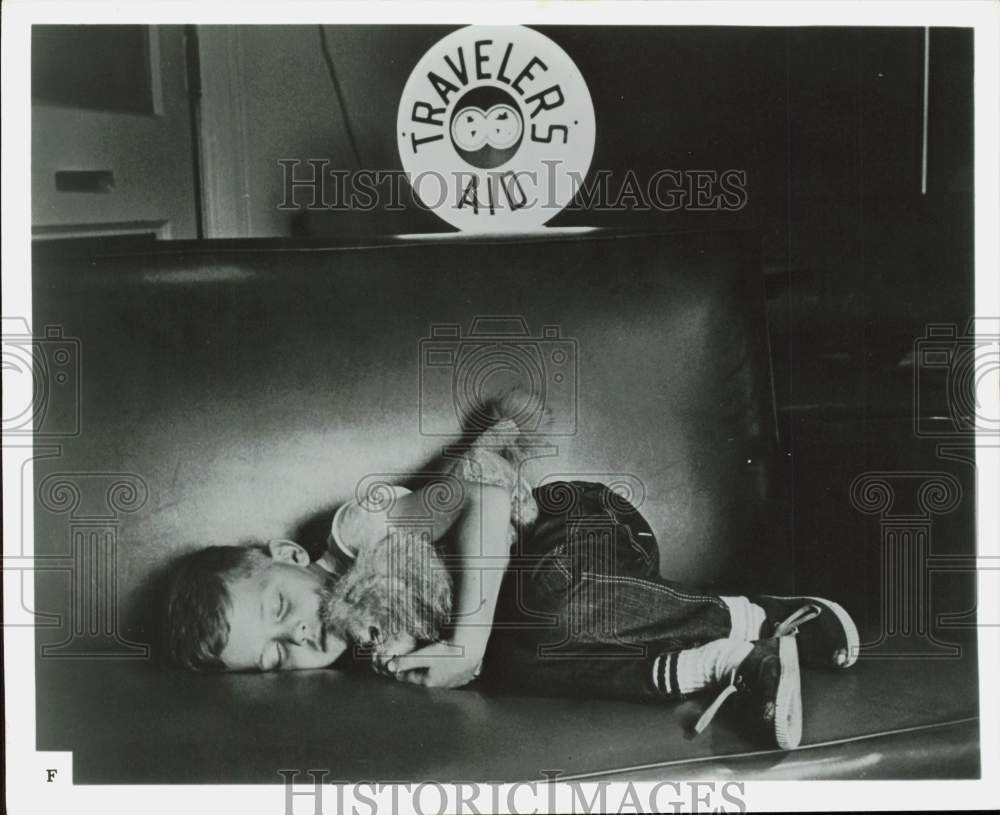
[767, 685]
[830, 640]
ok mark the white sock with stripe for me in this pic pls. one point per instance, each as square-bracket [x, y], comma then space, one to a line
[695, 669]
[745, 617]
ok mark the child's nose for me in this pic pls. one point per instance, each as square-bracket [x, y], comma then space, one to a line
[301, 633]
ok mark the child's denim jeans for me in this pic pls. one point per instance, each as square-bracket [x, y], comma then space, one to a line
[583, 609]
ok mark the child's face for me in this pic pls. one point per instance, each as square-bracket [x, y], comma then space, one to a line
[276, 620]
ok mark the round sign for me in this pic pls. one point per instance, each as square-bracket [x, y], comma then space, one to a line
[495, 129]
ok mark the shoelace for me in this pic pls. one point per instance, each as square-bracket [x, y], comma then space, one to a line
[712, 709]
[787, 627]
[790, 625]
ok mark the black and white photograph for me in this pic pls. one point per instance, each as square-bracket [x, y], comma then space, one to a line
[515, 407]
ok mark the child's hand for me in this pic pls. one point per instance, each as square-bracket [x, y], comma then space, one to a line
[438, 665]
[384, 653]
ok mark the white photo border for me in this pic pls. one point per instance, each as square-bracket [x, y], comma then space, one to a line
[25, 776]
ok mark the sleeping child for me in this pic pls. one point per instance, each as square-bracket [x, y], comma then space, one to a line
[478, 578]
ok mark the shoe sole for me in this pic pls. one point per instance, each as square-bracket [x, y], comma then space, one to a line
[851, 637]
[788, 700]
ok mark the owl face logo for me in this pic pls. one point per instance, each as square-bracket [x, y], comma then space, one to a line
[499, 127]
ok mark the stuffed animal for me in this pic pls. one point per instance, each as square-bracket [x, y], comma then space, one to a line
[398, 595]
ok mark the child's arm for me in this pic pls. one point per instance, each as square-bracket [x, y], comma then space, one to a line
[481, 547]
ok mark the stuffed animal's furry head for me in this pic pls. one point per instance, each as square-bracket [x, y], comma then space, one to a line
[395, 597]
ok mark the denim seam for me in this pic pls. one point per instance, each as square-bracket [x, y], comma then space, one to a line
[618, 522]
[693, 598]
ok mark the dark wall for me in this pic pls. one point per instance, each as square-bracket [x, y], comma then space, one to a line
[824, 121]
[665, 98]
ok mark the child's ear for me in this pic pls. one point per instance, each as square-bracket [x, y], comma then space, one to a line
[286, 551]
